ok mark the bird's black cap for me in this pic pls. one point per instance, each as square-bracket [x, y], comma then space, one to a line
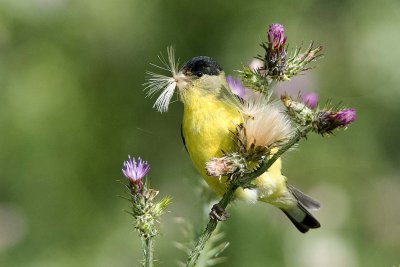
[201, 65]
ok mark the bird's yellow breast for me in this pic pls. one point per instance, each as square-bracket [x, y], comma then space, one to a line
[207, 128]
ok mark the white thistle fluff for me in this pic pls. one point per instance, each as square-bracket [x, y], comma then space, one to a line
[265, 122]
[157, 82]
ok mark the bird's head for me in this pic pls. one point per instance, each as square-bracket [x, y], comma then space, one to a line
[202, 71]
[199, 74]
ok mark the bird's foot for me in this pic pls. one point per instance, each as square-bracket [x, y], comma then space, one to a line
[218, 213]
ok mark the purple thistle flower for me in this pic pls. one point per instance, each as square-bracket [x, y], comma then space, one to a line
[135, 170]
[345, 116]
[310, 99]
[236, 87]
[276, 36]
[327, 121]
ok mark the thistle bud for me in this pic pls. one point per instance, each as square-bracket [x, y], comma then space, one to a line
[135, 170]
[327, 121]
[276, 36]
[144, 209]
[275, 57]
[298, 111]
[345, 116]
[310, 99]
[226, 165]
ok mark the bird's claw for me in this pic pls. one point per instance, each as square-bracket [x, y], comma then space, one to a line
[218, 213]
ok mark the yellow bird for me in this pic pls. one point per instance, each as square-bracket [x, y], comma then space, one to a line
[211, 113]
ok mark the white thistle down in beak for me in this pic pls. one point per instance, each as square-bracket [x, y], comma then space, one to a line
[157, 82]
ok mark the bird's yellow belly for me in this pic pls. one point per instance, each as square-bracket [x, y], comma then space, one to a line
[207, 129]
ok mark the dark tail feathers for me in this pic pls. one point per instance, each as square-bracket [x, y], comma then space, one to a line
[299, 215]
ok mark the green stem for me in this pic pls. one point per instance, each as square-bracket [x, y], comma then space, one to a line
[148, 245]
[229, 194]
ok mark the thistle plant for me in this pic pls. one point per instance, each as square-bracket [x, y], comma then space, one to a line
[212, 250]
[249, 130]
[144, 210]
[277, 63]
[248, 162]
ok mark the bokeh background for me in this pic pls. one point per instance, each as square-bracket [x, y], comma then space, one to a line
[72, 108]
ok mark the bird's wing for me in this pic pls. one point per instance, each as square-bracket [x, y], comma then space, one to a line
[307, 201]
[226, 95]
[183, 139]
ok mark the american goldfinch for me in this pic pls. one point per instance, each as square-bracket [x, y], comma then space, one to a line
[212, 113]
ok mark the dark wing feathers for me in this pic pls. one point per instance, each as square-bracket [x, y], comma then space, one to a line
[183, 139]
[304, 199]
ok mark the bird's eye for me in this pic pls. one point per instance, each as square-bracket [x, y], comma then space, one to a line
[199, 74]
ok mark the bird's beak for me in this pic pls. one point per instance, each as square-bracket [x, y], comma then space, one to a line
[181, 80]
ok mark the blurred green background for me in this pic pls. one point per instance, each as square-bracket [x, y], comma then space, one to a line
[72, 108]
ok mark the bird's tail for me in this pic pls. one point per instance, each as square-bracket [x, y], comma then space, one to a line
[299, 215]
